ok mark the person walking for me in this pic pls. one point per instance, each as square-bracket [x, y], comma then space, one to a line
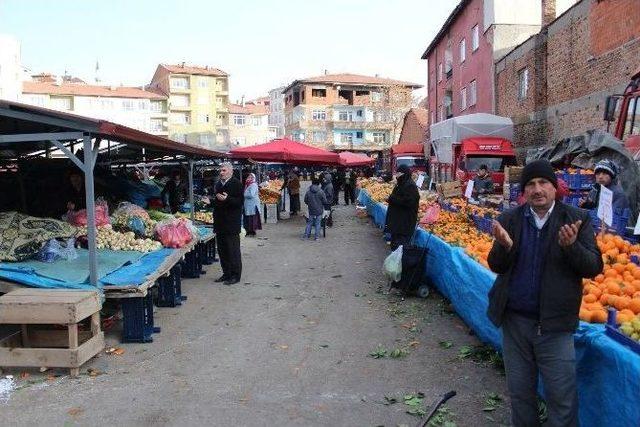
[402, 213]
[228, 203]
[327, 188]
[349, 186]
[294, 192]
[542, 251]
[251, 217]
[316, 201]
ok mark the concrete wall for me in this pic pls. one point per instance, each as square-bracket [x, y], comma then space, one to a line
[588, 53]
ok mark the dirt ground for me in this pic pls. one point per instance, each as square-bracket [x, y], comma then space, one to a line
[290, 345]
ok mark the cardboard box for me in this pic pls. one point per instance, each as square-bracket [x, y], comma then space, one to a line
[449, 190]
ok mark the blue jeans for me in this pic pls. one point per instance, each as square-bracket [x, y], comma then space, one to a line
[313, 220]
[550, 355]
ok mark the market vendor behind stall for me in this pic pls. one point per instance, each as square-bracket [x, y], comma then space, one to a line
[173, 194]
[482, 183]
[75, 195]
[607, 175]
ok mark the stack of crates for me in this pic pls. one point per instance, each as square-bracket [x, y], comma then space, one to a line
[511, 187]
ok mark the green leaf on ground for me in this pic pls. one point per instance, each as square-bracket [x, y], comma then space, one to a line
[398, 353]
[379, 353]
[446, 344]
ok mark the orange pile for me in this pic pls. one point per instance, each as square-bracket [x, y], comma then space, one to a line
[457, 230]
[618, 286]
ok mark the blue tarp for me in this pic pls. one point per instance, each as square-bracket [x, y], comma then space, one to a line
[136, 273]
[608, 372]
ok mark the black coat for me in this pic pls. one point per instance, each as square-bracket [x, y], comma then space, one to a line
[228, 213]
[564, 268]
[402, 212]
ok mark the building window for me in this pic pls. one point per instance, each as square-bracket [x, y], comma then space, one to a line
[359, 113]
[463, 50]
[362, 92]
[179, 100]
[238, 120]
[128, 105]
[156, 125]
[106, 104]
[376, 96]
[475, 38]
[359, 135]
[463, 99]
[206, 139]
[181, 118]
[37, 100]
[319, 136]
[221, 102]
[346, 137]
[345, 116]
[203, 82]
[379, 137]
[448, 104]
[156, 106]
[203, 118]
[319, 93]
[473, 96]
[523, 83]
[179, 82]
[61, 103]
[319, 115]
[440, 72]
[220, 120]
[433, 117]
[256, 121]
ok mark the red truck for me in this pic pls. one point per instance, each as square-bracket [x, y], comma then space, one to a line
[461, 144]
[411, 155]
[624, 110]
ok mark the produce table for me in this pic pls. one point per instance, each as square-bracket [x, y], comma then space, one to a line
[608, 372]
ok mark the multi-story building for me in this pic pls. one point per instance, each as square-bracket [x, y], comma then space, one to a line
[135, 107]
[347, 111]
[249, 124]
[198, 103]
[476, 34]
[276, 110]
[555, 84]
[10, 68]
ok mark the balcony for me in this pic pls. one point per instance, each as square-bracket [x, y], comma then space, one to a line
[342, 124]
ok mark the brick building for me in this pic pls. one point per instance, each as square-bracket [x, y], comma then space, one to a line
[554, 85]
[461, 56]
[347, 111]
[415, 127]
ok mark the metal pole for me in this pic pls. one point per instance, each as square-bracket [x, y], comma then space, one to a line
[91, 209]
[191, 189]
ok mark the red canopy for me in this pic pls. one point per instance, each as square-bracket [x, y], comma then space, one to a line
[287, 151]
[347, 158]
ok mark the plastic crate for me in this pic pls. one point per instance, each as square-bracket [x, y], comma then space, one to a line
[587, 181]
[170, 288]
[613, 332]
[137, 319]
[514, 192]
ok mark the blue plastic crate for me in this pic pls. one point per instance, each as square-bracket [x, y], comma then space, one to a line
[137, 319]
[574, 181]
[587, 181]
[514, 192]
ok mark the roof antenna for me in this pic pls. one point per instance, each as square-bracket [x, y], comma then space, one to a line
[97, 76]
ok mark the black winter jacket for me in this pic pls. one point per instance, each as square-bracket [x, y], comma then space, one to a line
[402, 212]
[563, 270]
[228, 213]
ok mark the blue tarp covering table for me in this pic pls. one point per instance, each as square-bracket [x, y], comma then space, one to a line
[608, 373]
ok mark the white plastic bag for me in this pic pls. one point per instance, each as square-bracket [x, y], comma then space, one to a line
[392, 266]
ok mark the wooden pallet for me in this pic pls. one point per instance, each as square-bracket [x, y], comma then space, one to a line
[47, 347]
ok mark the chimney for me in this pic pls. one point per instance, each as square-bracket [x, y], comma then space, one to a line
[548, 12]
[242, 103]
[326, 71]
[182, 65]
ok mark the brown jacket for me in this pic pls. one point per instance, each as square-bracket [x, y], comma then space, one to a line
[294, 185]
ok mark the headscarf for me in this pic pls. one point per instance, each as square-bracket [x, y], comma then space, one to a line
[251, 178]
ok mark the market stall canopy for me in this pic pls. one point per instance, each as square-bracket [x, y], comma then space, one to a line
[286, 151]
[407, 149]
[26, 130]
[347, 158]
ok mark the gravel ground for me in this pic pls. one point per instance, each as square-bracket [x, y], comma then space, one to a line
[289, 346]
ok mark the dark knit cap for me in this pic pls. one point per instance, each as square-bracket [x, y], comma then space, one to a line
[538, 169]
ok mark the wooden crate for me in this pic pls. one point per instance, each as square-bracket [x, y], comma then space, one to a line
[448, 190]
[68, 348]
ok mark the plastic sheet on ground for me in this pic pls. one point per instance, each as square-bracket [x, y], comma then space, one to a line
[608, 372]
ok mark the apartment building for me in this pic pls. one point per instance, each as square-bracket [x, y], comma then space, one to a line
[347, 111]
[198, 103]
[460, 59]
[249, 124]
[135, 107]
[276, 110]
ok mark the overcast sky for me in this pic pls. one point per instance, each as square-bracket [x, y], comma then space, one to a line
[261, 44]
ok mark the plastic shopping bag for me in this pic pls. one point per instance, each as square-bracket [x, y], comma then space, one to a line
[392, 266]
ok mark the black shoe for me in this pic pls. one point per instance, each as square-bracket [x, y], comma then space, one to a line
[221, 279]
[232, 281]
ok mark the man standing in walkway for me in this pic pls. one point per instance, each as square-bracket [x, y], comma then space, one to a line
[542, 251]
[228, 203]
[293, 186]
[402, 213]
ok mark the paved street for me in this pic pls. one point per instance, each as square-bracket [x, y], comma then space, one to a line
[287, 346]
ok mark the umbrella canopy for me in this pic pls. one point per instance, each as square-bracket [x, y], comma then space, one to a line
[347, 158]
[286, 151]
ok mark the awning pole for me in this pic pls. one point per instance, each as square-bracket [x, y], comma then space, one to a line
[89, 163]
[190, 174]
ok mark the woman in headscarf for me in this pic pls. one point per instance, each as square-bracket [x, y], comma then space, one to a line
[251, 206]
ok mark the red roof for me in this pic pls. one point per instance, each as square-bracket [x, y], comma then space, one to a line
[347, 158]
[80, 89]
[354, 79]
[407, 149]
[193, 69]
[287, 151]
